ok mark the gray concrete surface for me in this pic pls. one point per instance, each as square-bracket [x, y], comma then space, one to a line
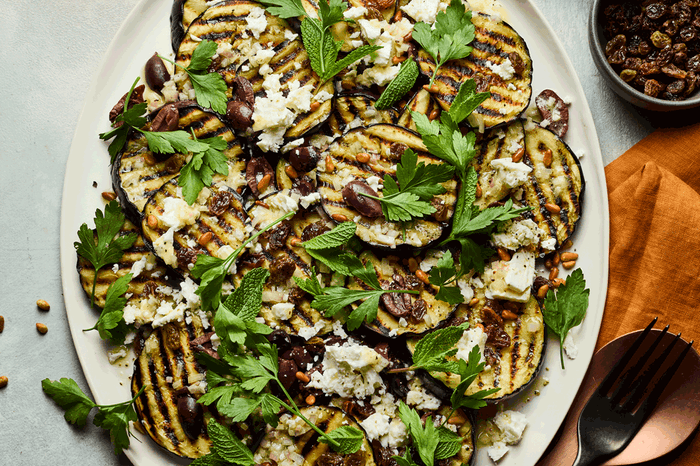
[49, 52]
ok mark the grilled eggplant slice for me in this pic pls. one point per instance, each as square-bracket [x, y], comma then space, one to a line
[500, 63]
[225, 23]
[218, 210]
[167, 368]
[513, 367]
[137, 172]
[508, 142]
[421, 102]
[281, 254]
[385, 144]
[281, 445]
[398, 315]
[465, 429]
[556, 179]
[357, 109]
[152, 273]
[181, 16]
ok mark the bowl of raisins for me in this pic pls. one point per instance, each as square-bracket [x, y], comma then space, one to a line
[649, 51]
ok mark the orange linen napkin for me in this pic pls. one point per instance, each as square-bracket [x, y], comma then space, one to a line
[654, 194]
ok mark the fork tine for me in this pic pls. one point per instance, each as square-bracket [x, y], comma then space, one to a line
[628, 377]
[663, 381]
[607, 383]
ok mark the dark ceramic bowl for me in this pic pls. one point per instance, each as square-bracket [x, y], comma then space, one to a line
[597, 41]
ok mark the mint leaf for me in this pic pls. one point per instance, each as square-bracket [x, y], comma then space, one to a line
[400, 85]
[108, 248]
[431, 351]
[70, 397]
[111, 325]
[466, 101]
[227, 446]
[449, 443]
[405, 460]
[339, 65]
[566, 308]
[210, 459]
[349, 438]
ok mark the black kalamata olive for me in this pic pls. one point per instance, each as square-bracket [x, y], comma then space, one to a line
[287, 372]
[353, 196]
[243, 91]
[156, 73]
[136, 98]
[313, 230]
[255, 171]
[167, 119]
[239, 114]
[280, 338]
[303, 159]
[191, 416]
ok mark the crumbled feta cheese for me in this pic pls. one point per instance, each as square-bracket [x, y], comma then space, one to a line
[177, 213]
[509, 173]
[504, 70]
[422, 10]
[511, 280]
[350, 370]
[115, 354]
[570, 348]
[379, 75]
[283, 311]
[256, 21]
[419, 397]
[310, 332]
[510, 425]
[470, 338]
[355, 12]
[521, 233]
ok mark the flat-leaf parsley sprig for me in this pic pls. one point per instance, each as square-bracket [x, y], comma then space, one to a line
[115, 418]
[107, 248]
[111, 325]
[449, 37]
[566, 308]
[318, 40]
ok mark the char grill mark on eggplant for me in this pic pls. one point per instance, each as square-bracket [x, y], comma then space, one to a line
[377, 141]
[307, 444]
[166, 366]
[139, 287]
[227, 228]
[421, 102]
[561, 183]
[349, 107]
[225, 22]
[493, 45]
[387, 324]
[517, 365]
[181, 16]
[137, 173]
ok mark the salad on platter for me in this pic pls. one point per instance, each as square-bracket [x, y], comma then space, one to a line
[325, 232]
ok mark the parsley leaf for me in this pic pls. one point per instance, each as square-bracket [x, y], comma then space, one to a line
[198, 172]
[109, 247]
[443, 273]
[453, 32]
[425, 438]
[131, 117]
[77, 404]
[227, 446]
[417, 184]
[211, 270]
[349, 438]
[111, 325]
[406, 459]
[70, 397]
[566, 308]
[468, 371]
[209, 88]
[285, 8]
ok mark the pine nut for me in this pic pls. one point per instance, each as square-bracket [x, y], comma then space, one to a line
[412, 264]
[42, 328]
[457, 418]
[508, 315]
[398, 16]
[474, 302]
[542, 292]
[3, 381]
[339, 218]
[43, 305]
[295, 241]
[301, 377]
[554, 273]
[397, 60]
[264, 183]
[568, 256]
[478, 191]
[433, 115]
[568, 264]
[310, 400]
[556, 259]
[432, 89]
[205, 238]
[557, 282]
[362, 157]
[422, 276]
[291, 172]
[152, 221]
[109, 196]
[553, 208]
[503, 255]
[518, 156]
[2, 324]
[315, 106]
[330, 166]
[547, 158]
